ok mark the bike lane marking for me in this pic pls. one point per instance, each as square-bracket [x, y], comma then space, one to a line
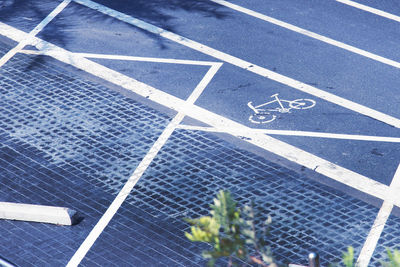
[34, 32]
[380, 222]
[308, 33]
[244, 64]
[297, 133]
[261, 112]
[370, 9]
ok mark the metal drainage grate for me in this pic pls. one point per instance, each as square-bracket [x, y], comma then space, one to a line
[184, 178]
[68, 142]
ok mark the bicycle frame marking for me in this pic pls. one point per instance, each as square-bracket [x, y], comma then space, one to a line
[263, 114]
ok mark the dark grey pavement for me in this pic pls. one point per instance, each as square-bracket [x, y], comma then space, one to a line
[68, 138]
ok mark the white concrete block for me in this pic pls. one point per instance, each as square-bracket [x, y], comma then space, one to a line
[38, 213]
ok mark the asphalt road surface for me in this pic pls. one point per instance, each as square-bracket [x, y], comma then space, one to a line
[312, 86]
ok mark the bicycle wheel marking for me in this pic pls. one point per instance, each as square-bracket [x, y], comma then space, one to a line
[263, 113]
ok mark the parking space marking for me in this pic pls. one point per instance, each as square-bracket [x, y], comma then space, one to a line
[301, 157]
[144, 164]
[297, 133]
[370, 9]
[380, 222]
[34, 32]
[308, 33]
[244, 64]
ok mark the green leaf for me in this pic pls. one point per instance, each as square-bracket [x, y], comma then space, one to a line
[348, 257]
[205, 229]
[394, 258]
[230, 231]
[224, 210]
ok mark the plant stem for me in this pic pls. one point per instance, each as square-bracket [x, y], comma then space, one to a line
[258, 261]
[230, 261]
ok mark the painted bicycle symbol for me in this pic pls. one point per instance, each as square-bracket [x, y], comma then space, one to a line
[263, 112]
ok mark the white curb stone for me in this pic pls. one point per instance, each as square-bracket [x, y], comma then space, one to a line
[38, 213]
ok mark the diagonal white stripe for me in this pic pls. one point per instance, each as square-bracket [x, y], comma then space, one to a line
[34, 32]
[298, 133]
[133, 58]
[370, 9]
[380, 222]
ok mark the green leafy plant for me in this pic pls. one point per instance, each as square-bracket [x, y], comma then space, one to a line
[231, 232]
[348, 257]
[394, 259]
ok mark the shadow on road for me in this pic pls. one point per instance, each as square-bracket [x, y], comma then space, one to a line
[161, 12]
[26, 14]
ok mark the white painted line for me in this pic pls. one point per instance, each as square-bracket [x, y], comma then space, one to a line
[245, 65]
[374, 234]
[126, 190]
[370, 9]
[50, 17]
[298, 133]
[203, 83]
[148, 59]
[133, 58]
[34, 32]
[308, 160]
[309, 33]
[37, 213]
[380, 222]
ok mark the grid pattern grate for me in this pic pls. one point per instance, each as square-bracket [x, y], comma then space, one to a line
[64, 141]
[390, 238]
[184, 178]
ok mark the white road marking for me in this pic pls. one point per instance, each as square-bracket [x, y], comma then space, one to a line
[297, 133]
[244, 64]
[308, 160]
[133, 58]
[149, 59]
[144, 164]
[374, 234]
[309, 33]
[370, 9]
[263, 114]
[380, 222]
[34, 32]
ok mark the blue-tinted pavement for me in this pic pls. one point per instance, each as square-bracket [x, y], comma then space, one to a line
[71, 139]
